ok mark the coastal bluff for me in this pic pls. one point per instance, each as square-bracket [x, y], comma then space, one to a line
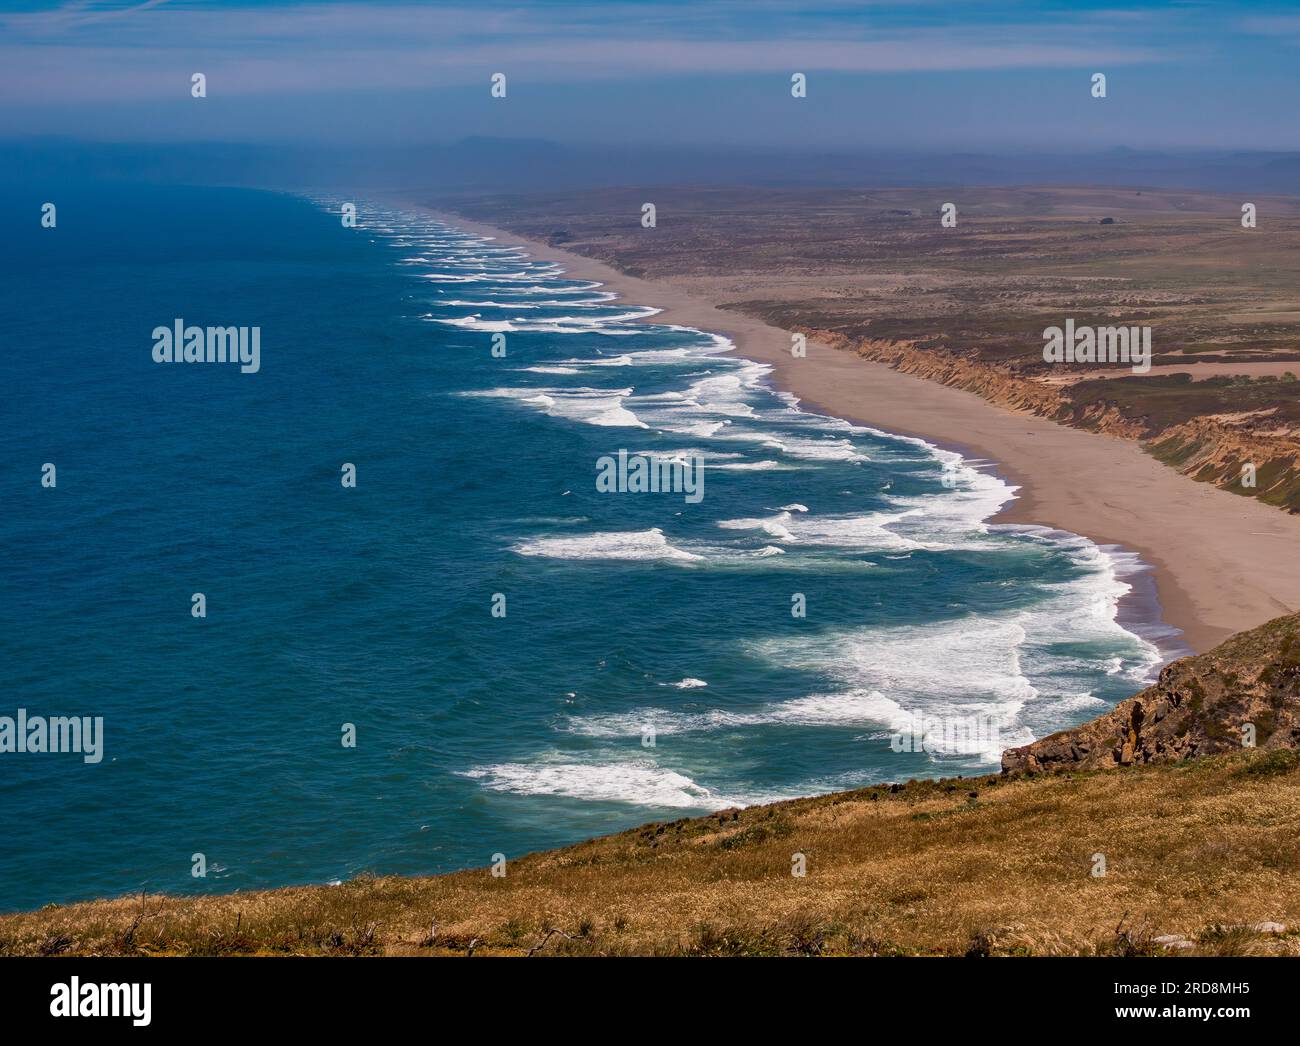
[997, 864]
[1243, 693]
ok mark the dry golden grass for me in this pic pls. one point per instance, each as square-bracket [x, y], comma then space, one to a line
[987, 865]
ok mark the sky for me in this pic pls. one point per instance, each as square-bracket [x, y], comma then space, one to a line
[942, 75]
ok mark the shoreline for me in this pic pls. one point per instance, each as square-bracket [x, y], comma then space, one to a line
[1221, 563]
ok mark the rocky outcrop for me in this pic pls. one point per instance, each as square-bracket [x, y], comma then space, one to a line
[1244, 692]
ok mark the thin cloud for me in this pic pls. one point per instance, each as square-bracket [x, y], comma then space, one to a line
[331, 47]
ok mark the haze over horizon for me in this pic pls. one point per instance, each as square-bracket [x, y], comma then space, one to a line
[915, 75]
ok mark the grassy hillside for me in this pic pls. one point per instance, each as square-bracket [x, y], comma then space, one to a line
[1197, 838]
[995, 865]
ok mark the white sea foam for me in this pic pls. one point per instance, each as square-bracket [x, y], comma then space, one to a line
[773, 526]
[591, 406]
[640, 782]
[865, 532]
[640, 358]
[753, 466]
[522, 325]
[642, 545]
[947, 520]
[825, 449]
[1031, 669]
[618, 545]
[684, 453]
[702, 429]
[944, 670]
[559, 287]
[490, 277]
[890, 675]
[1084, 610]
[599, 301]
[973, 665]
[664, 721]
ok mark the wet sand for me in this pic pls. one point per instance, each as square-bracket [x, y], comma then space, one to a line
[1223, 562]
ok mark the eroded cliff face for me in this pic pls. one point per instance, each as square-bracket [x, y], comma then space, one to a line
[1214, 449]
[1245, 691]
[1219, 450]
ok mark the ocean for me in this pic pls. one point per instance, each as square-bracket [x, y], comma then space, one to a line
[522, 660]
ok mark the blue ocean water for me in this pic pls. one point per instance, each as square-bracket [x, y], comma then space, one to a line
[630, 618]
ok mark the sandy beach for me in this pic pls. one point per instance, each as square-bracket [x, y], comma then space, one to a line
[1223, 563]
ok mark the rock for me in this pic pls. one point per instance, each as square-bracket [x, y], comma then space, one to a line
[1199, 706]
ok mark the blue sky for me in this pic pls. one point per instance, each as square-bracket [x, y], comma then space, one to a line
[920, 74]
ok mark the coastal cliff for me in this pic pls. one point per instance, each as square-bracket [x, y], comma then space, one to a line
[1214, 448]
[1243, 693]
